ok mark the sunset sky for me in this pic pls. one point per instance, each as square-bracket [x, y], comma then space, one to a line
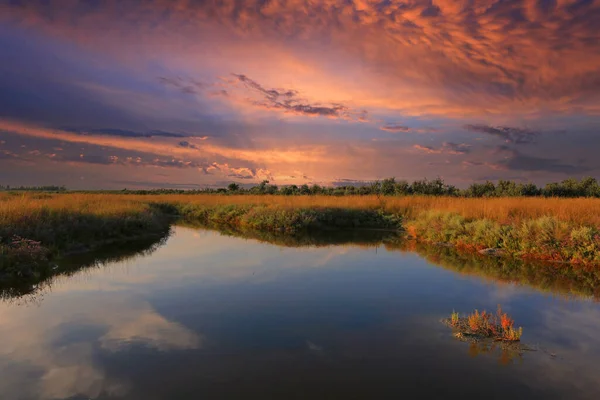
[187, 94]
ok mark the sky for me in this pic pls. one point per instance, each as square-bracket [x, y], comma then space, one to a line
[189, 94]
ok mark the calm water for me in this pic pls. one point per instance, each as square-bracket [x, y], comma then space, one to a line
[210, 316]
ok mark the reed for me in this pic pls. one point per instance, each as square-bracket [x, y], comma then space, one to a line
[557, 229]
[498, 326]
[505, 210]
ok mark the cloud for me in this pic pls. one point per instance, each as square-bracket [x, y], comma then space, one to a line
[135, 160]
[468, 163]
[447, 148]
[152, 330]
[427, 149]
[185, 86]
[187, 144]
[506, 133]
[350, 182]
[93, 153]
[288, 101]
[456, 148]
[456, 57]
[516, 161]
[167, 66]
[161, 185]
[240, 173]
[131, 134]
[204, 156]
[7, 154]
[395, 128]
[50, 364]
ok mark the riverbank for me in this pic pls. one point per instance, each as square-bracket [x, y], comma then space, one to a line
[564, 279]
[540, 237]
[36, 228]
[545, 238]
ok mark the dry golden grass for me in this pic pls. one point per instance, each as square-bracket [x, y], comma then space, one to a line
[14, 207]
[537, 228]
[504, 210]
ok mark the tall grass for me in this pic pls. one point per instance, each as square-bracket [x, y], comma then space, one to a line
[508, 210]
[498, 326]
[545, 228]
[554, 228]
[67, 223]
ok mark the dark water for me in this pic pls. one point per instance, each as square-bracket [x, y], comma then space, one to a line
[211, 316]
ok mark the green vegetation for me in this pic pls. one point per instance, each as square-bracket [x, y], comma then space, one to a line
[33, 235]
[569, 188]
[37, 228]
[289, 220]
[50, 188]
[542, 238]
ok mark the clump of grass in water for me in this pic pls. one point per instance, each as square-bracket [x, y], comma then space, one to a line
[499, 326]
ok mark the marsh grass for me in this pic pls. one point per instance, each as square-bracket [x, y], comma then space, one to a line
[275, 218]
[60, 224]
[543, 228]
[545, 237]
[497, 326]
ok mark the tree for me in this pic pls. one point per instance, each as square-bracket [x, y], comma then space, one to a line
[402, 187]
[388, 186]
[233, 187]
[304, 189]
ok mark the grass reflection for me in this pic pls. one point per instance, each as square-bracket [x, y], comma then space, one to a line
[33, 287]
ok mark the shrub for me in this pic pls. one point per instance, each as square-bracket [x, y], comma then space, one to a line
[498, 326]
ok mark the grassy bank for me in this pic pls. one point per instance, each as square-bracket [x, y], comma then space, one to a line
[564, 230]
[319, 238]
[36, 227]
[286, 219]
[542, 238]
[557, 279]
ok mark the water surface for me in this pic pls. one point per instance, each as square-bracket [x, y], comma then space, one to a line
[212, 316]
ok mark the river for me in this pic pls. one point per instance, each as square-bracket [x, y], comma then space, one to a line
[206, 315]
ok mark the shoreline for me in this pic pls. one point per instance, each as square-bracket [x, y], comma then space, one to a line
[564, 280]
[37, 239]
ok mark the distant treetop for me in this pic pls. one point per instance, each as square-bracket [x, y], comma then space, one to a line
[586, 187]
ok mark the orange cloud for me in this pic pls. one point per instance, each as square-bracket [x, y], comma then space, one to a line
[451, 58]
[247, 163]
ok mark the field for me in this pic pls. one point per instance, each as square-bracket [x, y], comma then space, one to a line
[36, 227]
[584, 211]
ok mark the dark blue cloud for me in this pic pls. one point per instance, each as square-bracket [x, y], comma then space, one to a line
[127, 133]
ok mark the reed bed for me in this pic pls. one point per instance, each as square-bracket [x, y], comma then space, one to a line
[557, 229]
[507, 210]
[37, 227]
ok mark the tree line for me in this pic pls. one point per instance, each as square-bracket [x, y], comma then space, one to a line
[49, 188]
[586, 187]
